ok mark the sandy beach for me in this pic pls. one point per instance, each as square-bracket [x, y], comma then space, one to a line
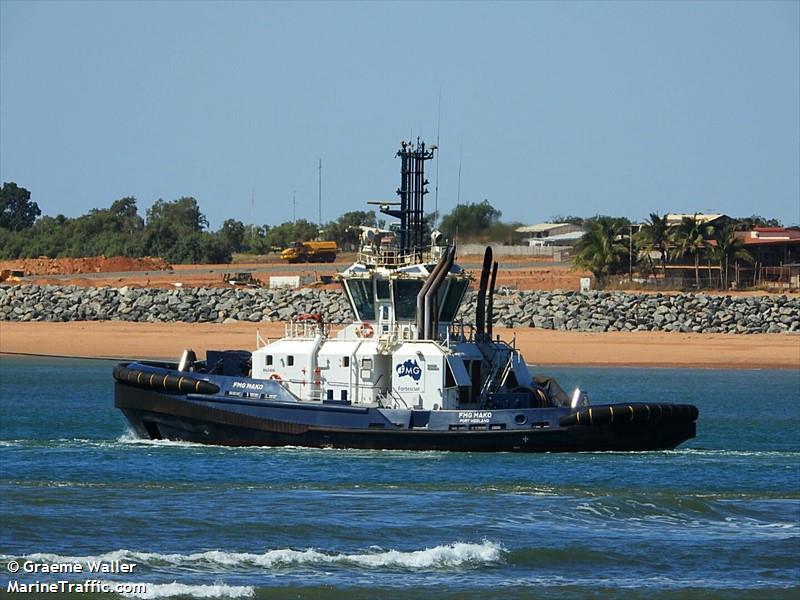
[115, 339]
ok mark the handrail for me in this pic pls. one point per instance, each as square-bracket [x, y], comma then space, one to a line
[395, 258]
[260, 343]
[396, 397]
[304, 329]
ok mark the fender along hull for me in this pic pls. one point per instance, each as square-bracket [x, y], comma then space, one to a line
[157, 415]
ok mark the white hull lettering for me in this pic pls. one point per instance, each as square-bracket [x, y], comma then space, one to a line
[247, 386]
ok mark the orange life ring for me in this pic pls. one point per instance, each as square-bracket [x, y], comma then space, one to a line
[276, 377]
[365, 330]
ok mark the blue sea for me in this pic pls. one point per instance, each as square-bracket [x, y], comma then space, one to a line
[718, 517]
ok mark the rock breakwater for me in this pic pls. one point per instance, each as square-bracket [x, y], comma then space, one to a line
[190, 305]
[624, 311]
[567, 310]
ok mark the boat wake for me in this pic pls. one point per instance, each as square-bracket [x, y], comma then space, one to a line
[129, 437]
[458, 555]
[175, 589]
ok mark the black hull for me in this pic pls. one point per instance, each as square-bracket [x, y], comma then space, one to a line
[155, 415]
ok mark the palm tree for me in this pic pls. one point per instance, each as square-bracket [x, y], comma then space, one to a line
[690, 238]
[602, 249]
[726, 247]
[655, 236]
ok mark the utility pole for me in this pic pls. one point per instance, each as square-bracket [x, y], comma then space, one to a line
[294, 206]
[630, 252]
[320, 194]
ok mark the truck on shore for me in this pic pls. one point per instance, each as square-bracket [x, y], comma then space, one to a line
[310, 252]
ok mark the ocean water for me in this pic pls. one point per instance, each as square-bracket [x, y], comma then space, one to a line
[717, 518]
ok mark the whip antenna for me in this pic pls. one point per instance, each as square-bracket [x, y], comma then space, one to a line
[460, 156]
[438, 129]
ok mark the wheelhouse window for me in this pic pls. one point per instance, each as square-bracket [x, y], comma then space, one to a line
[382, 289]
[269, 359]
[452, 299]
[405, 298]
[360, 290]
[290, 360]
[449, 378]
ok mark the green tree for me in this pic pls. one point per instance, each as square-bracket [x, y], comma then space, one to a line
[726, 248]
[181, 215]
[170, 222]
[654, 235]
[126, 216]
[689, 238]
[199, 247]
[113, 231]
[621, 221]
[11, 244]
[504, 233]
[18, 244]
[49, 236]
[255, 239]
[571, 219]
[603, 249]
[749, 223]
[159, 238]
[289, 232]
[17, 212]
[470, 221]
[232, 234]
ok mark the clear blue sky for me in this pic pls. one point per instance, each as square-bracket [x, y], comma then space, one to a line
[559, 108]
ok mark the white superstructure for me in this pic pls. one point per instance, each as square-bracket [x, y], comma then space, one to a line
[404, 349]
[381, 359]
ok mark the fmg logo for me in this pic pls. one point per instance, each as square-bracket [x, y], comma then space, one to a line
[409, 368]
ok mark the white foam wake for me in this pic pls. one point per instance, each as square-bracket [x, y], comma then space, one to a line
[218, 590]
[456, 555]
[129, 437]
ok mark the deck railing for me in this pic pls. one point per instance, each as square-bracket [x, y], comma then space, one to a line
[393, 258]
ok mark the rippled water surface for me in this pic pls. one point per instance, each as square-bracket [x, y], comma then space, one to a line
[718, 517]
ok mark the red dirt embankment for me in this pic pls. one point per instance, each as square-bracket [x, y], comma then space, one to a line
[143, 272]
[90, 264]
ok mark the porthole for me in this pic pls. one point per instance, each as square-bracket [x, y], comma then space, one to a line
[520, 419]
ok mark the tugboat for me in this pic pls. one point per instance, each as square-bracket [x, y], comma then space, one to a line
[406, 374]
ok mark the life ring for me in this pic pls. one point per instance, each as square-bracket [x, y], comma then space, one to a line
[276, 377]
[365, 330]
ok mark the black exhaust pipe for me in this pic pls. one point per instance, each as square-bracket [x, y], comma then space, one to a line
[490, 303]
[431, 313]
[421, 296]
[480, 312]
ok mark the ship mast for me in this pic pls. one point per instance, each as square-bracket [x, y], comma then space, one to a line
[412, 190]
